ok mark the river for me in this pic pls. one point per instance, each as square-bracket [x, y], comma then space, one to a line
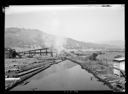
[63, 76]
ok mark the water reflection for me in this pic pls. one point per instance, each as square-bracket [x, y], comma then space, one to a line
[63, 76]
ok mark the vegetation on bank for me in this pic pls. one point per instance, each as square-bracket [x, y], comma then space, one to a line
[97, 63]
[100, 65]
[15, 67]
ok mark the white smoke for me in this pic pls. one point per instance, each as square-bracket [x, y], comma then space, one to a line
[57, 41]
[59, 44]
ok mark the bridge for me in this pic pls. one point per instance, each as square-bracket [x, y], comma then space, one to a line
[43, 51]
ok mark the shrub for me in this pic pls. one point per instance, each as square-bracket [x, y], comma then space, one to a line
[117, 56]
[93, 56]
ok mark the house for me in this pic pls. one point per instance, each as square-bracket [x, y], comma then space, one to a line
[119, 66]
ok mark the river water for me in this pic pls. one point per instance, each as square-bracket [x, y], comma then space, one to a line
[63, 76]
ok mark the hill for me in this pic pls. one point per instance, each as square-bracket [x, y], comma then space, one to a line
[20, 38]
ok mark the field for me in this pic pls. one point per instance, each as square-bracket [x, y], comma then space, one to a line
[108, 57]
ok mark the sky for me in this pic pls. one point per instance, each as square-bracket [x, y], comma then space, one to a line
[91, 23]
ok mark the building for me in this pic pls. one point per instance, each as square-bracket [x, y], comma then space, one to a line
[7, 52]
[119, 66]
[10, 53]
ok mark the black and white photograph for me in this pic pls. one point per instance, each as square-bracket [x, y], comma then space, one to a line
[65, 47]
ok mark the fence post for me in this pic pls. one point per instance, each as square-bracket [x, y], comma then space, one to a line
[40, 52]
[51, 54]
[46, 51]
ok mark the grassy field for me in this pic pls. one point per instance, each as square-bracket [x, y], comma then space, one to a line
[108, 57]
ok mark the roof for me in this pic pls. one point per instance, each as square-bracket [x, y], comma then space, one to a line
[119, 59]
[7, 79]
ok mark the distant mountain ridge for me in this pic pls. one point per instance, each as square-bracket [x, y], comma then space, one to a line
[118, 43]
[33, 38]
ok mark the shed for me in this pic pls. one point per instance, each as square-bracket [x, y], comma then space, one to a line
[119, 65]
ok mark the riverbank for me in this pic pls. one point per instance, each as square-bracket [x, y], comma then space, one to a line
[66, 75]
[28, 71]
[101, 72]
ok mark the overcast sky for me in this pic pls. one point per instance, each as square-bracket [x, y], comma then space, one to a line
[80, 22]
